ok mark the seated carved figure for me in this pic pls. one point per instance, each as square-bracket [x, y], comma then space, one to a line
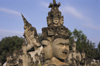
[83, 59]
[32, 45]
[75, 57]
[30, 35]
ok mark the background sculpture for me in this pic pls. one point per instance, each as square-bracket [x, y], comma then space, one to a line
[32, 47]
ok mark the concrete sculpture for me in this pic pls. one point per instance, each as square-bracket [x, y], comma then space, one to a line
[53, 50]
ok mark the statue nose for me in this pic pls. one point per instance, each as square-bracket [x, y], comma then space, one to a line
[42, 52]
[64, 47]
[56, 34]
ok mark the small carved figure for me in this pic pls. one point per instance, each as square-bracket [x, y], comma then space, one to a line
[73, 61]
[83, 60]
[77, 61]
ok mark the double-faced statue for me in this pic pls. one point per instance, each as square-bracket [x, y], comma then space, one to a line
[55, 51]
[55, 38]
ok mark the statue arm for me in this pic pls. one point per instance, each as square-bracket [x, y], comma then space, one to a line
[26, 37]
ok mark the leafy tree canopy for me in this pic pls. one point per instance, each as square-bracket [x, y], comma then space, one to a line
[8, 45]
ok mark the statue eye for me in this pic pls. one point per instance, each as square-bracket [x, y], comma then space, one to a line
[61, 44]
[44, 45]
[51, 28]
[66, 44]
[61, 28]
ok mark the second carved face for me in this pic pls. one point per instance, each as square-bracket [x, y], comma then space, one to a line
[60, 48]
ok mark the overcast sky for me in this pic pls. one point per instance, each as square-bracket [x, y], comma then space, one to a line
[80, 14]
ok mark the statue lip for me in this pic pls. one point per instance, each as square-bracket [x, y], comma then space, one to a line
[65, 52]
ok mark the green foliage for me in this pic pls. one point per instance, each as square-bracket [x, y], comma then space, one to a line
[99, 47]
[82, 43]
[8, 45]
[99, 50]
[40, 37]
[70, 38]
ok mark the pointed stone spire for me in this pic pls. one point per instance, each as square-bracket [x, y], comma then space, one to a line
[54, 4]
[26, 23]
[24, 19]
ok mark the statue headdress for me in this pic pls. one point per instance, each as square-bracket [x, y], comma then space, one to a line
[54, 13]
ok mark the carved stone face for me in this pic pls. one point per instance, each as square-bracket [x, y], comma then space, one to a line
[47, 50]
[74, 48]
[49, 21]
[60, 48]
[55, 21]
[83, 55]
[50, 31]
[61, 21]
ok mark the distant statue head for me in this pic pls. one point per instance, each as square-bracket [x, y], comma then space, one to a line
[73, 45]
[83, 54]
